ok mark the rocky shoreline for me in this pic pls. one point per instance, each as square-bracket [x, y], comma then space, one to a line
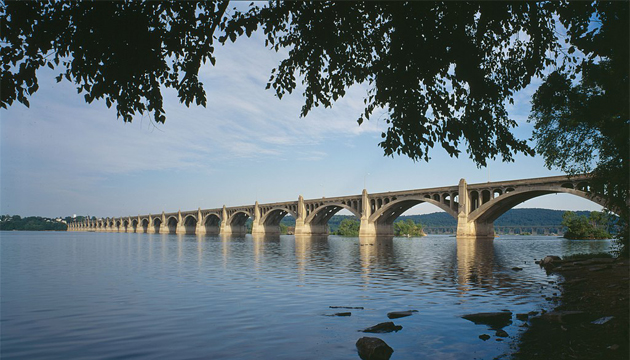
[592, 318]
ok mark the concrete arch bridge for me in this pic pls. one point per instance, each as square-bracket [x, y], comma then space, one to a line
[475, 206]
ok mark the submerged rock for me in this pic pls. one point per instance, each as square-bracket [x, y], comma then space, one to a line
[501, 333]
[343, 314]
[399, 314]
[549, 260]
[347, 307]
[522, 317]
[495, 320]
[484, 337]
[385, 327]
[370, 348]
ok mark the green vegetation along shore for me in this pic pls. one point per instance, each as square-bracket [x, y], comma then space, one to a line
[407, 227]
[32, 223]
[593, 226]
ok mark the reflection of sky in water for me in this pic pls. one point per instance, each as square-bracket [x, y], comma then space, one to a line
[222, 297]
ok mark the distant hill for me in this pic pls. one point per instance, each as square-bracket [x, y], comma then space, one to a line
[513, 217]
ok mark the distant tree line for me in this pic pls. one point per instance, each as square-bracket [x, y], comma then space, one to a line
[32, 223]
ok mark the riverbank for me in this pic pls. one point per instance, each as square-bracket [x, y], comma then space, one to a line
[592, 319]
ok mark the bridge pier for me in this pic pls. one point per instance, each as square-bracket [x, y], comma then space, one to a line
[370, 228]
[301, 228]
[163, 225]
[311, 229]
[465, 227]
[259, 227]
[181, 227]
[231, 228]
[200, 230]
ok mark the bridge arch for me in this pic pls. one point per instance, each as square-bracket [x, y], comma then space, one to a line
[190, 224]
[238, 218]
[391, 211]
[319, 216]
[157, 223]
[212, 223]
[493, 209]
[134, 225]
[275, 216]
[171, 224]
[144, 225]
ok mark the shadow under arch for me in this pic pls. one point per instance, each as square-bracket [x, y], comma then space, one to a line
[212, 223]
[236, 223]
[493, 209]
[190, 224]
[239, 218]
[171, 224]
[144, 225]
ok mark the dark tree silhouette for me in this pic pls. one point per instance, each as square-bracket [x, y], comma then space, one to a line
[442, 71]
[582, 124]
[122, 52]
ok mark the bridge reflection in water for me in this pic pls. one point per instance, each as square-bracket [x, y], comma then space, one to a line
[469, 265]
[474, 206]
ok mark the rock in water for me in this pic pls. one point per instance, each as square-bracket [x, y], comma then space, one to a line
[343, 314]
[347, 307]
[495, 320]
[549, 260]
[522, 317]
[383, 328]
[399, 314]
[501, 333]
[370, 348]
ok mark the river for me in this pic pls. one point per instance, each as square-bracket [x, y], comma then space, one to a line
[77, 295]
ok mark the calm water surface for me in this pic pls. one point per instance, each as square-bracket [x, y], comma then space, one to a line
[148, 296]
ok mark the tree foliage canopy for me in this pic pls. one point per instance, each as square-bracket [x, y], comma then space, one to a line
[443, 71]
[348, 227]
[581, 111]
[408, 228]
[119, 51]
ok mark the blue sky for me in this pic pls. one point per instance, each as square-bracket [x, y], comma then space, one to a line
[62, 156]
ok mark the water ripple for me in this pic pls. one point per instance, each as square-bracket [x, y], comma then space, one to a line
[152, 296]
